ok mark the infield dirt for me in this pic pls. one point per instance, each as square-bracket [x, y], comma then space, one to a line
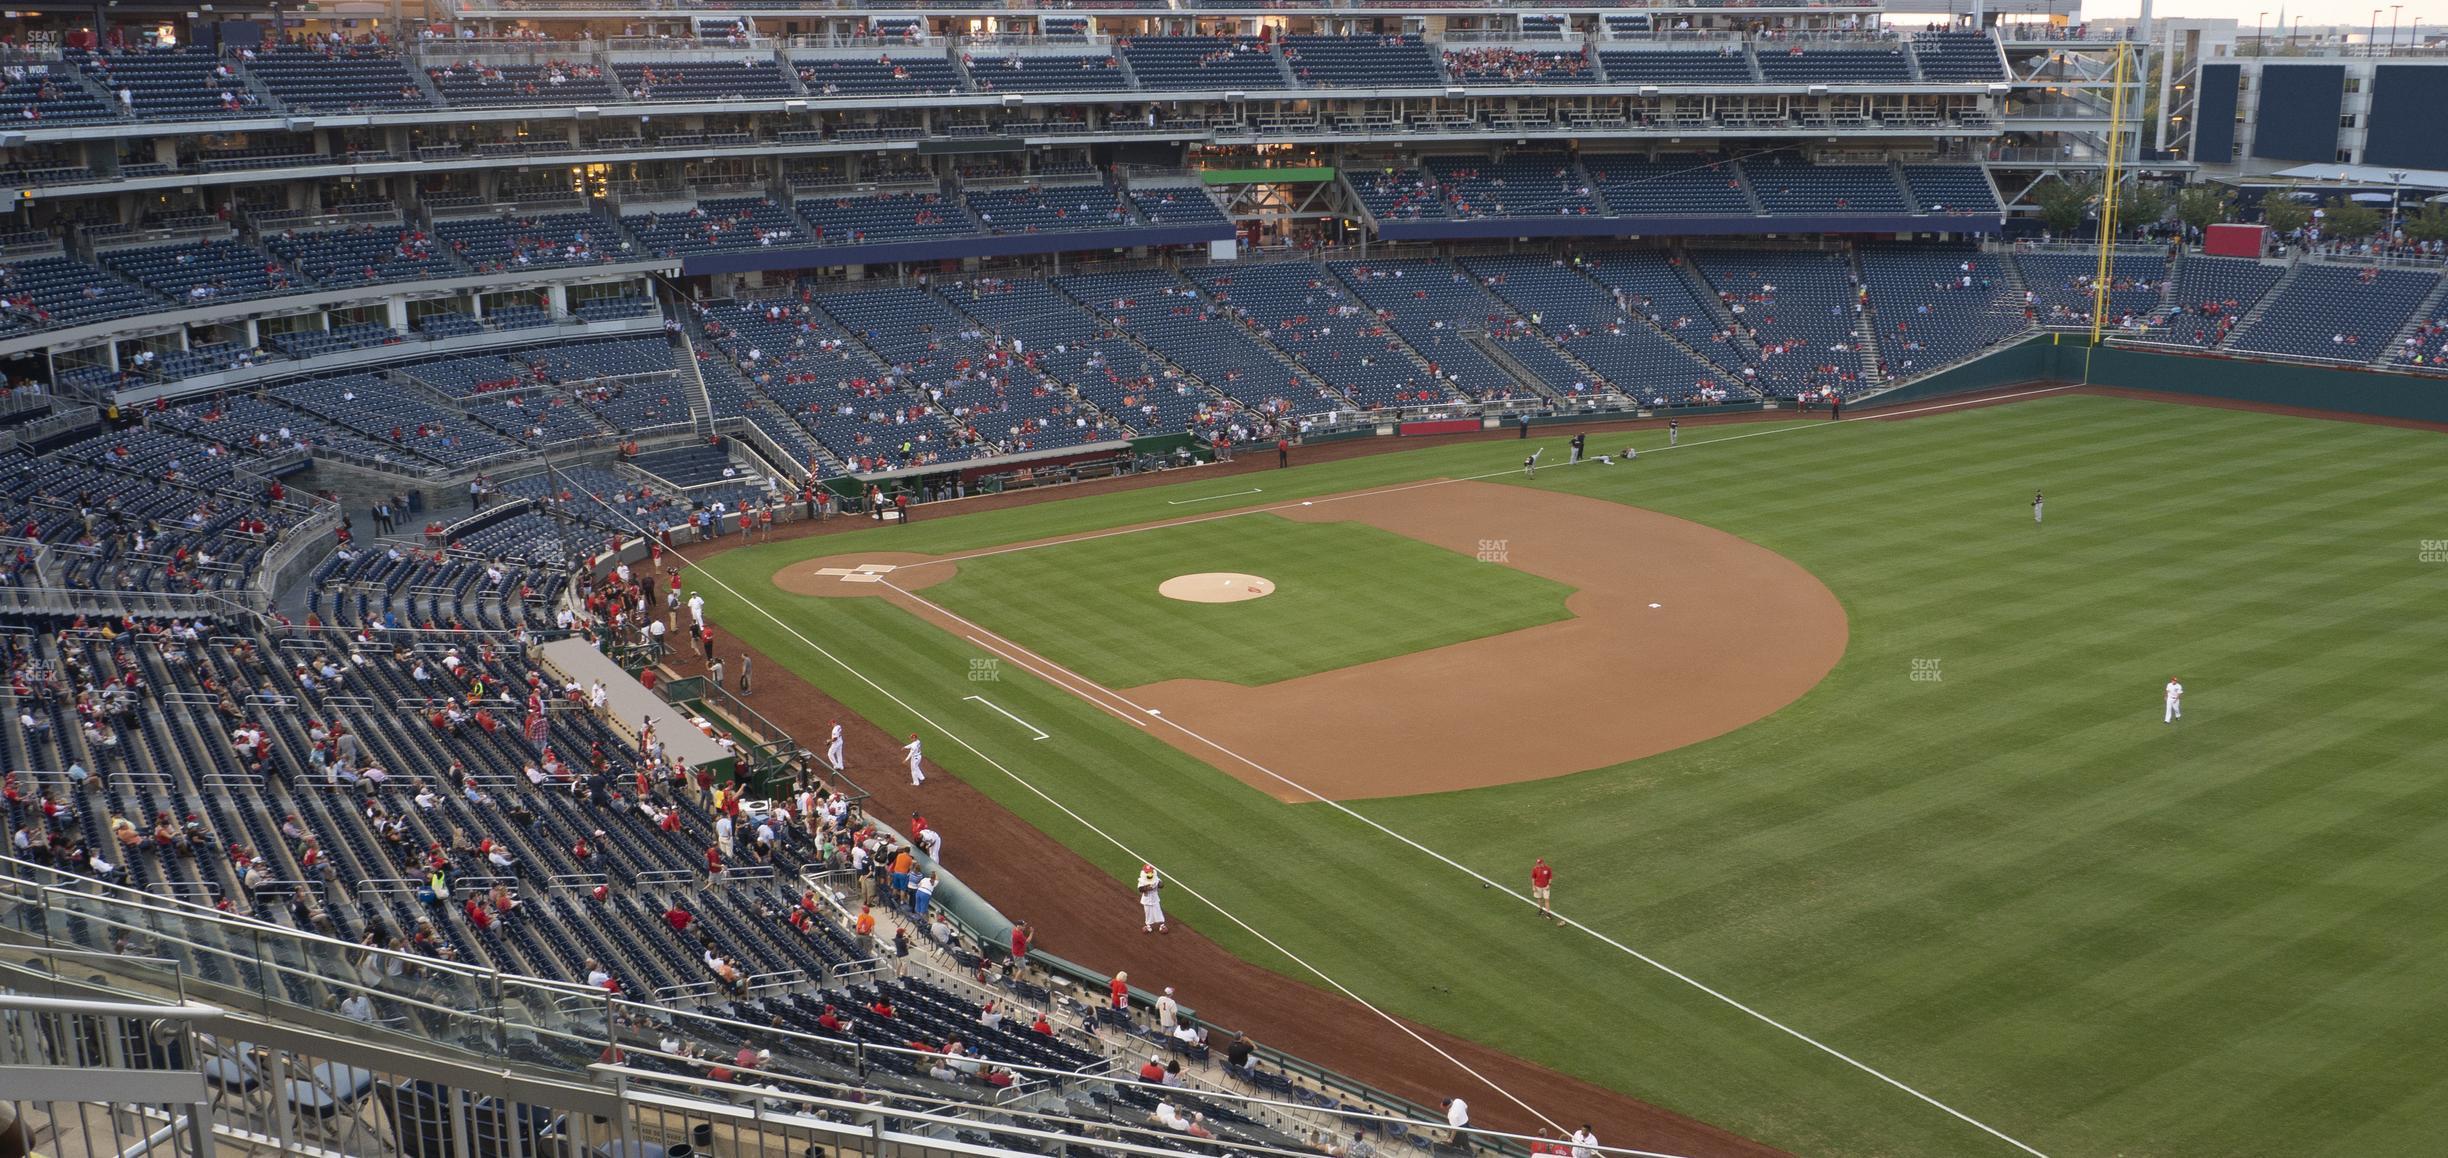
[1679, 632]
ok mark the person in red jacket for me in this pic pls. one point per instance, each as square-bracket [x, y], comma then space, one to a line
[1541, 878]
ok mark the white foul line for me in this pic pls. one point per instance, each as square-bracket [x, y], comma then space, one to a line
[1041, 732]
[1797, 424]
[1125, 717]
[1117, 842]
[1482, 878]
[1212, 498]
[1108, 837]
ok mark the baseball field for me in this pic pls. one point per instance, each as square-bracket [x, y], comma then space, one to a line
[1870, 832]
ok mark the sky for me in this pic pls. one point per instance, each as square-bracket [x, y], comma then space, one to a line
[2434, 13]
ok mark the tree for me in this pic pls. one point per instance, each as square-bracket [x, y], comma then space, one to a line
[2141, 205]
[2346, 220]
[2282, 212]
[2065, 205]
[2204, 205]
[2428, 223]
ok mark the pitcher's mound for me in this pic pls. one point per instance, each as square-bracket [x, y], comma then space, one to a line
[1215, 587]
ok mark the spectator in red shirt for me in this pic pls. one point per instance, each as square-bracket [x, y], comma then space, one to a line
[1541, 877]
[1120, 988]
[678, 918]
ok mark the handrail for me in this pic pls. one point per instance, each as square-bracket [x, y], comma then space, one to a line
[499, 988]
[191, 1010]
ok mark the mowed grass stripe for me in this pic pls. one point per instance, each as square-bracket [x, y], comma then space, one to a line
[1345, 593]
[2277, 484]
[2014, 888]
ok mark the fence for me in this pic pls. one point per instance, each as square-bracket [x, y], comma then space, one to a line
[347, 1027]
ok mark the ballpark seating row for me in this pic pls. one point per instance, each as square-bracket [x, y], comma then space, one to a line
[2212, 294]
[2336, 312]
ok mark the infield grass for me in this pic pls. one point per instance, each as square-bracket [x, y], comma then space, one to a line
[2010, 886]
[1345, 593]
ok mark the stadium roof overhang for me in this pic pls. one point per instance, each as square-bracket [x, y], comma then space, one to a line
[2435, 180]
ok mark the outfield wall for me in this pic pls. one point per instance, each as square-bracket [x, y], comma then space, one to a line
[2064, 358]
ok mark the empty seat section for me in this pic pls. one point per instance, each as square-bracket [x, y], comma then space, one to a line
[170, 84]
[1726, 64]
[1434, 307]
[1099, 364]
[1362, 62]
[1221, 63]
[364, 254]
[1202, 338]
[492, 244]
[1089, 72]
[204, 271]
[1936, 305]
[2060, 286]
[1398, 194]
[884, 217]
[338, 80]
[1306, 312]
[478, 84]
[1952, 190]
[1175, 205]
[915, 73]
[2211, 295]
[62, 291]
[1958, 56]
[993, 400]
[1522, 185]
[1584, 320]
[40, 97]
[2337, 312]
[1796, 64]
[1803, 190]
[1799, 309]
[705, 80]
[1676, 185]
[727, 223]
[1046, 210]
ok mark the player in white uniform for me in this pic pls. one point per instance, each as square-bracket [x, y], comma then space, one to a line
[917, 774]
[2175, 701]
[833, 749]
[1151, 900]
[2035, 508]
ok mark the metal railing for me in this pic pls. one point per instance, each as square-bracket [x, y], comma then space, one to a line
[455, 1018]
[93, 1076]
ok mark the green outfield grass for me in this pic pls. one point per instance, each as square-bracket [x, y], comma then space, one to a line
[2010, 886]
[1345, 593]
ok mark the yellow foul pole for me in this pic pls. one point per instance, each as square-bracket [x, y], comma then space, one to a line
[2117, 77]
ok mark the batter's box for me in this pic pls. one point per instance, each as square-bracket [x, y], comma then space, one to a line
[835, 572]
[865, 577]
[879, 568]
